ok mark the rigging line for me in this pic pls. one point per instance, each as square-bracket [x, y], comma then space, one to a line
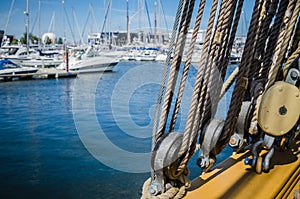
[167, 62]
[282, 9]
[232, 38]
[227, 9]
[296, 37]
[191, 114]
[105, 17]
[231, 78]
[163, 11]
[187, 63]
[34, 23]
[162, 85]
[288, 36]
[295, 49]
[263, 14]
[85, 24]
[214, 84]
[260, 49]
[274, 32]
[241, 83]
[72, 33]
[9, 15]
[277, 58]
[77, 26]
[149, 21]
[173, 74]
[209, 72]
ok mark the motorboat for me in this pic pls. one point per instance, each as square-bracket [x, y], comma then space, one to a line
[31, 57]
[8, 67]
[141, 54]
[88, 60]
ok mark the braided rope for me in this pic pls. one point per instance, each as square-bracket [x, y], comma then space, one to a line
[161, 91]
[259, 54]
[281, 43]
[191, 114]
[216, 80]
[174, 192]
[291, 59]
[233, 75]
[291, 27]
[278, 56]
[187, 64]
[274, 34]
[232, 38]
[256, 39]
[184, 24]
[164, 79]
[241, 82]
[296, 38]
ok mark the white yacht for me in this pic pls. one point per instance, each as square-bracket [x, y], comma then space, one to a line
[87, 59]
[32, 58]
[7, 67]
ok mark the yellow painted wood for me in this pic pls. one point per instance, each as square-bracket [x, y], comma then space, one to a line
[233, 179]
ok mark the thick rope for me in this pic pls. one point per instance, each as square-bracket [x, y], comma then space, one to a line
[187, 63]
[174, 192]
[296, 38]
[276, 62]
[291, 59]
[216, 79]
[241, 83]
[191, 114]
[274, 34]
[282, 41]
[173, 74]
[164, 79]
[260, 49]
[232, 38]
[227, 84]
[291, 26]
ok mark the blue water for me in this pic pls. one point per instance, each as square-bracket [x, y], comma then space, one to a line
[43, 124]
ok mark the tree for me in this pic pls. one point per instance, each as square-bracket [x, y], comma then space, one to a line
[60, 41]
[15, 41]
[32, 38]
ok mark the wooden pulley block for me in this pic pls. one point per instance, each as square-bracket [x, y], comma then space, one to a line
[279, 109]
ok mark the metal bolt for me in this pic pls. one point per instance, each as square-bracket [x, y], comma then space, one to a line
[232, 141]
[154, 189]
[294, 75]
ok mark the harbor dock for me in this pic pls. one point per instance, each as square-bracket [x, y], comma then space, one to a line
[43, 73]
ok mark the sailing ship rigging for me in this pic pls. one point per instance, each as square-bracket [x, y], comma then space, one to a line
[263, 115]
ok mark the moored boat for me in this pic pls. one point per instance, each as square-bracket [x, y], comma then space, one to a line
[87, 60]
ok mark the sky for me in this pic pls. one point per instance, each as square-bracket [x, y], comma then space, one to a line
[78, 20]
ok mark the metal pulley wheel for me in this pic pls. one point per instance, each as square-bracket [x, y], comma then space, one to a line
[279, 109]
[164, 161]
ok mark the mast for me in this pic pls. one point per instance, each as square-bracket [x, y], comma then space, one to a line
[27, 25]
[91, 19]
[64, 25]
[128, 31]
[39, 25]
[155, 24]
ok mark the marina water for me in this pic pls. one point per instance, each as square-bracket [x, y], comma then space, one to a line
[44, 152]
